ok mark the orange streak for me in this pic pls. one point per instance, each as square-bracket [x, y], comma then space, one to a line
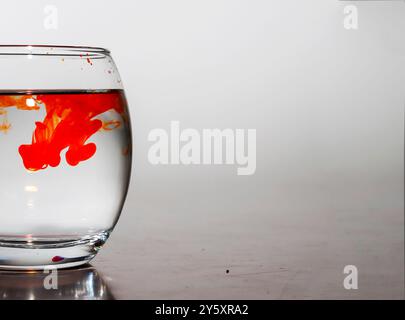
[20, 102]
[111, 125]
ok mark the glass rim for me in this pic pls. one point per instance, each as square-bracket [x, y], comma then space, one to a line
[51, 50]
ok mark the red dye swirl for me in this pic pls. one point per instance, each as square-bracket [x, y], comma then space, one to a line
[69, 122]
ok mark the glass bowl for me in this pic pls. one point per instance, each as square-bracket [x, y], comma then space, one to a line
[65, 141]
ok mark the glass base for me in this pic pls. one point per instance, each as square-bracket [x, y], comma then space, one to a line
[45, 253]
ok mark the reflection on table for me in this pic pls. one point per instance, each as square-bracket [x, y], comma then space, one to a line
[76, 284]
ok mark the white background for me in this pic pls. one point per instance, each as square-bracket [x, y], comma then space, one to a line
[328, 106]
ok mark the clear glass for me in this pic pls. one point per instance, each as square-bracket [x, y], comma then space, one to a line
[65, 158]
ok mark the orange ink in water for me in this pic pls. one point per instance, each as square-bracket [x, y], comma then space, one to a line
[111, 125]
[20, 102]
[69, 122]
[5, 126]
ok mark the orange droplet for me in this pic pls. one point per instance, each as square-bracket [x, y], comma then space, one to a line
[5, 126]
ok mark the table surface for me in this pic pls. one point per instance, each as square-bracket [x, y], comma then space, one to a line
[174, 249]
